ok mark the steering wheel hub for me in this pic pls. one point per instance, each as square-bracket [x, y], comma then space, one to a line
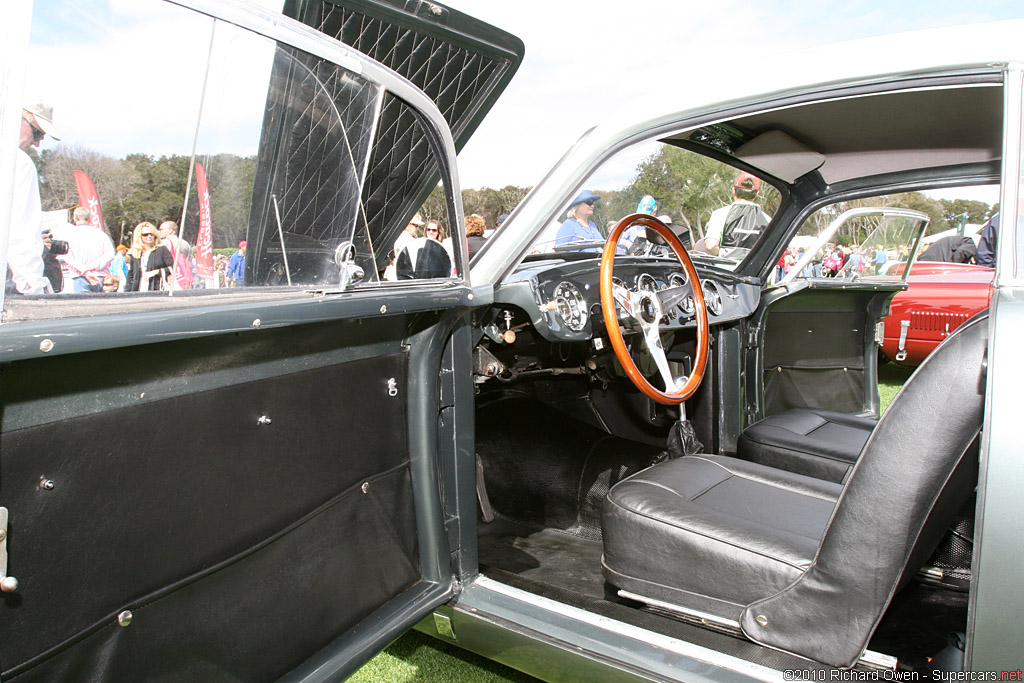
[649, 309]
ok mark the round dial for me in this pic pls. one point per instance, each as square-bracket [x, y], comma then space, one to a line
[647, 283]
[570, 306]
[712, 297]
[686, 305]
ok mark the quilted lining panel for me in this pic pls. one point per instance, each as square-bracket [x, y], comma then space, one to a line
[402, 169]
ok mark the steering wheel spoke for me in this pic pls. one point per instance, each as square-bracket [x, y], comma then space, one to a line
[647, 309]
[624, 297]
[673, 296]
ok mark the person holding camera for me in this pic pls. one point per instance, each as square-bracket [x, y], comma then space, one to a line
[51, 264]
[24, 241]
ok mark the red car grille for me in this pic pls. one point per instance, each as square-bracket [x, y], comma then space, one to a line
[929, 321]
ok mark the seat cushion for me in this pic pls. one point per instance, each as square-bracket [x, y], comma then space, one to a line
[713, 533]
[811, 441]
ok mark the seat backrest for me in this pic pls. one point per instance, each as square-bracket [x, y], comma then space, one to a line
[916, 469]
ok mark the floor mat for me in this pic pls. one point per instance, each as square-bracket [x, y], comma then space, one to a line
[546, 556]
[918, 623]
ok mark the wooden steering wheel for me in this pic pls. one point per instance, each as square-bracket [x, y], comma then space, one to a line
[647, 310]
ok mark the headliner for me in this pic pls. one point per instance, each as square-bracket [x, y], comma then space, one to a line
[895, 132]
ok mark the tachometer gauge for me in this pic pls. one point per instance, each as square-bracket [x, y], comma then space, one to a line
[570, 306]
[712, 297]
[686, 305]
[647, 283]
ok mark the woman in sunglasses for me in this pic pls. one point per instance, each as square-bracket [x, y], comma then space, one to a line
[150, 262]
[577, 226]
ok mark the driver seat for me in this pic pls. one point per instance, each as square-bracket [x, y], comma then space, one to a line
[797, 563]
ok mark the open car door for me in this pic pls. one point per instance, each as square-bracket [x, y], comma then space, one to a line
[239, 482]
[816, 331]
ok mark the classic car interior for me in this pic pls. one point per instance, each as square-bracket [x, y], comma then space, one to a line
[277, 480]
[762, 502]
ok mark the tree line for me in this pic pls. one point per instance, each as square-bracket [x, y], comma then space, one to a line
[688, 188]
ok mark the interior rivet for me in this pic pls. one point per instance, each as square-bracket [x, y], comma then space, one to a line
[383, 309]
[46, 345]
[256, 322]
[264, 420]
[46, 484]
[761, 619]
[124, 618]
[365, 488]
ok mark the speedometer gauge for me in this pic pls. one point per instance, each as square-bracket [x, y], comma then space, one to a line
[570, 306]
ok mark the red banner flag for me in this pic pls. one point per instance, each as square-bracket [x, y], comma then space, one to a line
[88, 198]
[204, 243]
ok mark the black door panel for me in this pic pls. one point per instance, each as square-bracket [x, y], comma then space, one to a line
[257, 508]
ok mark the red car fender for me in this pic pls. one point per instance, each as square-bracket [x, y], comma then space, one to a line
[939, 298]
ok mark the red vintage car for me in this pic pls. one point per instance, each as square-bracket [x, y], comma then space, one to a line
[940, 297]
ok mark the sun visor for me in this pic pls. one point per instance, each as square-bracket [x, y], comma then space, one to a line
[780, 155]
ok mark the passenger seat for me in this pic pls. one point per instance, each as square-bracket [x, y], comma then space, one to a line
[823, 444]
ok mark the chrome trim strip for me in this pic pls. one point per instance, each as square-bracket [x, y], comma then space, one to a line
[697, 614]
[623, 630]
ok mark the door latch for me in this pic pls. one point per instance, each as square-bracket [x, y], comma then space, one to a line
[901, 353]
[8, 584]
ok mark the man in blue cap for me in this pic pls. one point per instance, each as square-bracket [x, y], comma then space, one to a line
[577, 226]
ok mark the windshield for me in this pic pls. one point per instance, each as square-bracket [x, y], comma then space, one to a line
[718, 211]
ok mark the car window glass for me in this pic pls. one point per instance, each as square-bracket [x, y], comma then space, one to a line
[878, 237]
[247, 157]
[693, 193]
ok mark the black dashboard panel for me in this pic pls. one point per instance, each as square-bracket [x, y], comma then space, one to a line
[563, 301]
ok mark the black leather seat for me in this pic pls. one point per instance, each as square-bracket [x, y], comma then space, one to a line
[812, 441]
[793, 562]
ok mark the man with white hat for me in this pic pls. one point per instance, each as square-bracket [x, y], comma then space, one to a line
[25, 243]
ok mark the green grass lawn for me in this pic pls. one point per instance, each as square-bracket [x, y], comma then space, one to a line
[890, 378]
[417, 658]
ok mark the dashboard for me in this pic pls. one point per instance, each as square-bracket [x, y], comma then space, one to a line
[563, 300]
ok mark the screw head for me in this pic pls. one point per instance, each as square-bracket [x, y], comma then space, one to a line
[8, 584]
[365, 488]
[257, 322]
[761, 619]
[124, 618]
[46, 345]
[46, 484]
[383, 309]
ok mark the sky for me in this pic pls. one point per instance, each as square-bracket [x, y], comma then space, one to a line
[584, 59]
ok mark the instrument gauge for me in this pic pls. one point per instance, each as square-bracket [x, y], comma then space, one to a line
[570, 306]
[647, 283]
[686, 305]
[712, 297]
